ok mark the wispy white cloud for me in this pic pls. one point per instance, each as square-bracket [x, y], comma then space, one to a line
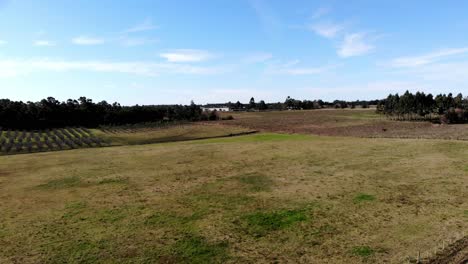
[355, 44]
[85, 40]
[293, 68]
[3, 42]
[415, 61]
[144, 26]
[447, 74]
[321, 12]
[267, 16]
[327, 29]
[187, 55]
[362, 90]
[44, 43]
[257, 57]
[131, 42]
[17, 67]
[221, 94]
[40, 33]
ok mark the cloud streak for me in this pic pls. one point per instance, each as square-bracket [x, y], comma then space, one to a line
[131, 42]
[321, 12]
[293, 68]
[88, 41]
[44, 43]
[257, 57]
[268, 19]
[416, 61]
[354, 44]
[18, 67]
[187, 55]
[146, 25]
[326, 29]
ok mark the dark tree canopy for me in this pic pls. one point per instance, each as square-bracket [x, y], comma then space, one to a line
[421, 106]
[50, 112]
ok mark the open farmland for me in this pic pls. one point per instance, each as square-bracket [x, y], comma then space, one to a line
[351, 122]
[259, 198]
[135, 135]
[23, 141]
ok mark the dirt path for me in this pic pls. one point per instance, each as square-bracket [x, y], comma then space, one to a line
[456, 254]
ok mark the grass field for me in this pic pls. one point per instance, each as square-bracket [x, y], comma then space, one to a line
[348, 122]
[262, 198]
[119, 136]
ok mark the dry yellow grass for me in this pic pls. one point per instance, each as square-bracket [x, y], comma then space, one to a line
[349, 122]
[261, 198]
[189, 131]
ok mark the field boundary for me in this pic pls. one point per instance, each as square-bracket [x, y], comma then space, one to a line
[204, 138]
[453, 250]
[456, 253]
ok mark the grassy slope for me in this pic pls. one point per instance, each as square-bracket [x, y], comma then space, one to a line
[259, 198]
[176, 133]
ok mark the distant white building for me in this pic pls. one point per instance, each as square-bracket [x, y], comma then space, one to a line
[218, 109]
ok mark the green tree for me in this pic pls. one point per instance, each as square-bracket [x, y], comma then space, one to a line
[252, 104]
[262, 105]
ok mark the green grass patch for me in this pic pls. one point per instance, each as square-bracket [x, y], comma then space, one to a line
[219, 194]
[63, 183]
[111, 215]
[3, 231]
[465, 213]
[261, 223]
[195, 249]
[256, 182]
[73, 209]
[363, 197]
[226, 201]
[76, 251]
[363, 251]
[171, 220]
[115, 180]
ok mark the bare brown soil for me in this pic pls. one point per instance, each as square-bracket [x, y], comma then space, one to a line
[354, 123]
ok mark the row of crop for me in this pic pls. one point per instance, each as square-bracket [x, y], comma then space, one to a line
[13, 142]
[20, 136]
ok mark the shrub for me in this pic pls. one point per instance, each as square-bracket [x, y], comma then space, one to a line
[18, 147]
[363, 251]
[229, 117]
[29, 146]
[213, 115]
[40, 145]
[69, 143]
[8, 147]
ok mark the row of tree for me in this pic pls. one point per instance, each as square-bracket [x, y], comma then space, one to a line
[49, 113]
[419, 106]
[294, 104]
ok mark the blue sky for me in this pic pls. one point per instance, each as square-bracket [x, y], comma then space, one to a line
[163, 52]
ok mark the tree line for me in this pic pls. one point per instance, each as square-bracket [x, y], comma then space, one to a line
[421, 106]
[50, 113]
[294, 104]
